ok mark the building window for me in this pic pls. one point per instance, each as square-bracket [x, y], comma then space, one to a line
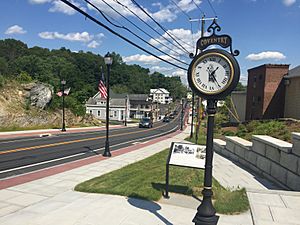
[253, 100]
[258, 98]
[98, 113]
[115, 113]
[254, 82]
[91, 111]
[260, 77]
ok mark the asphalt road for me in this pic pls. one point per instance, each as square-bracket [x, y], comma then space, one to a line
[18, 156]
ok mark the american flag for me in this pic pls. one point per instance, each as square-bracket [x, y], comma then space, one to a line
[102, 87]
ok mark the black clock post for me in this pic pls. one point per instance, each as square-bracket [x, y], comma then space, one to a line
[213, 74]
[206, 213]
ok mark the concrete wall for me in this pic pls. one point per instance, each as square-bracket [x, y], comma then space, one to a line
[292, 98]
[277, 160]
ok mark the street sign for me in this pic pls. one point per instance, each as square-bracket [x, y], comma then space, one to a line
[187, 155]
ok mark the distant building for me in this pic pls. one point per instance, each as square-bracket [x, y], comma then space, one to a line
[140, 106]
[239, 106]
[266, 92]
[133, 106]
[292, 94]
[119, 107]
[160, 95]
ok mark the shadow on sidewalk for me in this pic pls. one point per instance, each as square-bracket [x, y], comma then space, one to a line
[149, 206]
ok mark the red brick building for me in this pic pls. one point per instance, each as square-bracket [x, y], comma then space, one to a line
[266, 92]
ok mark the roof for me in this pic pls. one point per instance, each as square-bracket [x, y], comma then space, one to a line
[161, 90]
[141, 97]
[271, 66]
[114, 102]
[295, 72]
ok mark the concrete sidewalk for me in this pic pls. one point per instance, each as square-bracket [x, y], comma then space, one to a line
[51, 200]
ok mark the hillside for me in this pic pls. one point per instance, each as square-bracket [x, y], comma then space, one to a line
[17, 113]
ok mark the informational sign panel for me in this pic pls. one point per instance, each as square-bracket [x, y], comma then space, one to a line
[188, 155]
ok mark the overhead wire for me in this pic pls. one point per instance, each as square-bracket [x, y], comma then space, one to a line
[147, 24]
[140, 29]
[212, 8]
[125, 28]
[198, 7]
[183, 12]
[164, 29]
[117, 34]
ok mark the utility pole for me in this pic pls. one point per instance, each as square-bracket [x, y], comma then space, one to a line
[199, 101]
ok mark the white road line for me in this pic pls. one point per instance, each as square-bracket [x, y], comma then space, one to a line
[78, 154]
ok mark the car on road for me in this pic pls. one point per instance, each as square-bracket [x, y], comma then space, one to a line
[166, 119]
[146, 122]
[171, 116]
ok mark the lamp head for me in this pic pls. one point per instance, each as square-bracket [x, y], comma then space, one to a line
[108, 59]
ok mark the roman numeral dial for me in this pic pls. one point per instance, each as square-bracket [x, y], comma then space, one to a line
[212, 73]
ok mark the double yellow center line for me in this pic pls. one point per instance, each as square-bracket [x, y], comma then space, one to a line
[71, 142]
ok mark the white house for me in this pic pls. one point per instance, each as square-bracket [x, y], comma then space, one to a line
[160, 95]
[119, 107]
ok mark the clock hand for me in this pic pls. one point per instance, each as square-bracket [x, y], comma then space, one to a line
[209, 75]
[213, 72]
[214, 78]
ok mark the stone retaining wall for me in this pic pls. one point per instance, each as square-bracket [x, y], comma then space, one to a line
[277, 160]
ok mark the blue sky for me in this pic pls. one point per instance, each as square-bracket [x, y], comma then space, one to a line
[265, 31]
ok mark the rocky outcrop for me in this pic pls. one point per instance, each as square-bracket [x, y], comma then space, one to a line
[40, 95]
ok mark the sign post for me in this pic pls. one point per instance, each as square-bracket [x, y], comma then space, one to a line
[184, 155]
[212, 75]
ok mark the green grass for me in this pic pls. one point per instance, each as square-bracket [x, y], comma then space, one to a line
[146, 179]
[18, 128]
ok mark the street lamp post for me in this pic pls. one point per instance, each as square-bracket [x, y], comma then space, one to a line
[108, 62]
[63, 83]
[181, 124]
[126, 103]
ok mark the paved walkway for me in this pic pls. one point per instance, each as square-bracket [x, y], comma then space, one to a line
[51, 200]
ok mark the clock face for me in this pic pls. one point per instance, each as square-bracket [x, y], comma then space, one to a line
[212, 73]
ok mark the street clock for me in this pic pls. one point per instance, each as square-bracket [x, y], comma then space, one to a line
[213, 74]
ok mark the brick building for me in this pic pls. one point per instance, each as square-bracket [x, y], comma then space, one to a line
[266, 92]
[292, 94]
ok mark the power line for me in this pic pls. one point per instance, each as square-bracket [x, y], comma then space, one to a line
[158, 24]
[198, 7]
[183, 12]
[117, 34]
[211, 6]
[125, 28]
[147, 24]
[141, 29]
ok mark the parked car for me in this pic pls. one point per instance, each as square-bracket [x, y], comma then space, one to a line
[166, 119]
[171, 116]
[146, 122]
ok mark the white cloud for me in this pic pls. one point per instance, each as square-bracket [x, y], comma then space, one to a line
[160, 69]
[182, 36]
[288, 2]
[164, 15]
[15, 29]
[146, 59]
[82, 37]
[39, 1]
[93, 44]
[59, 6]
[266, 55]
[188, 5]
[182, 74]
